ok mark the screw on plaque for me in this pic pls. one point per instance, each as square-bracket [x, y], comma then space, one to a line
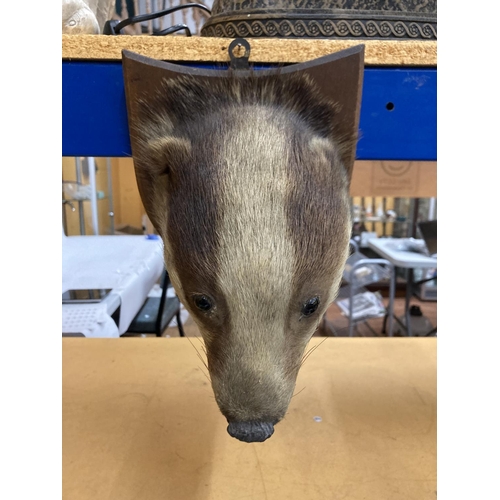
[239, 53]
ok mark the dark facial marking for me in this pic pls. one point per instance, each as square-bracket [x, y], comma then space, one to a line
[318, 215]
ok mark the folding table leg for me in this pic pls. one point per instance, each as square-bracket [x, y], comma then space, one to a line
[179, 323]
[409, 291]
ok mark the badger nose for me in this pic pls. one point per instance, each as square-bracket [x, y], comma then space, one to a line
[251, 432]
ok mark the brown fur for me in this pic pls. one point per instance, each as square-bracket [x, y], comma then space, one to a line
[244, 181]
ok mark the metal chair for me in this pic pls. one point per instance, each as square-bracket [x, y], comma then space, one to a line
[359, 272]
[156, 313]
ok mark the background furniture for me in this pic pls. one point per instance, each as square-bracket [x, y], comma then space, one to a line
[129, 265]
[386, 247]
[157, 312]
[360, 272]
[88, 191]
[140, 421]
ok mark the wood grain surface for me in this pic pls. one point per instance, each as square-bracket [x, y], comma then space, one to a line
[140, 422]
[176, 48]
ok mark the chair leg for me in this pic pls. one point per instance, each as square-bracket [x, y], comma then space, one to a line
[179, 323]
[161, 306]
[432, 332]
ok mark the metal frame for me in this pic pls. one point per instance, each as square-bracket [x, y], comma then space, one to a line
[352, 289]
[409, 265]
[163, 299]
[157, 329]
[410, 288]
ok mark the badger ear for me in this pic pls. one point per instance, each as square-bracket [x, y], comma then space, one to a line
[339, 78]
[330, 154]
[161, 156]
[156, 162]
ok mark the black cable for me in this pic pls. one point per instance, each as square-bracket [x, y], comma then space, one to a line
[173, 29]
[156, 15]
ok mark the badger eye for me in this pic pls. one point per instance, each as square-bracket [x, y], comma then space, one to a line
[203, 303]
[310, 306]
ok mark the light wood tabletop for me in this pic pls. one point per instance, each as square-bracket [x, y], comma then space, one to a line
[140, 423]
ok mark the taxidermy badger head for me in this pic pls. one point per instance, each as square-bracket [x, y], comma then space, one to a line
[245, 179]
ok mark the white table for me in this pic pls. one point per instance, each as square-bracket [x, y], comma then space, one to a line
[129, 265]
[388, 249]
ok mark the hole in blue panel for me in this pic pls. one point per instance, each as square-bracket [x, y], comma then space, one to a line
[389, 106]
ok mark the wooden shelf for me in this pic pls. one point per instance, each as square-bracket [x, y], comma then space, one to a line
[263, 50]
[400, 73]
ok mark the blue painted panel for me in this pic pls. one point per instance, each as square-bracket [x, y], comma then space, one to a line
[398, 115]
[94, 113]
[94, 117]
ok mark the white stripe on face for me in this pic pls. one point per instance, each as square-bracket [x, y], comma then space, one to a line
[256, 257]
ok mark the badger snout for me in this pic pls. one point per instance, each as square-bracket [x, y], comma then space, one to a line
[252, 398]
[251, 432]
